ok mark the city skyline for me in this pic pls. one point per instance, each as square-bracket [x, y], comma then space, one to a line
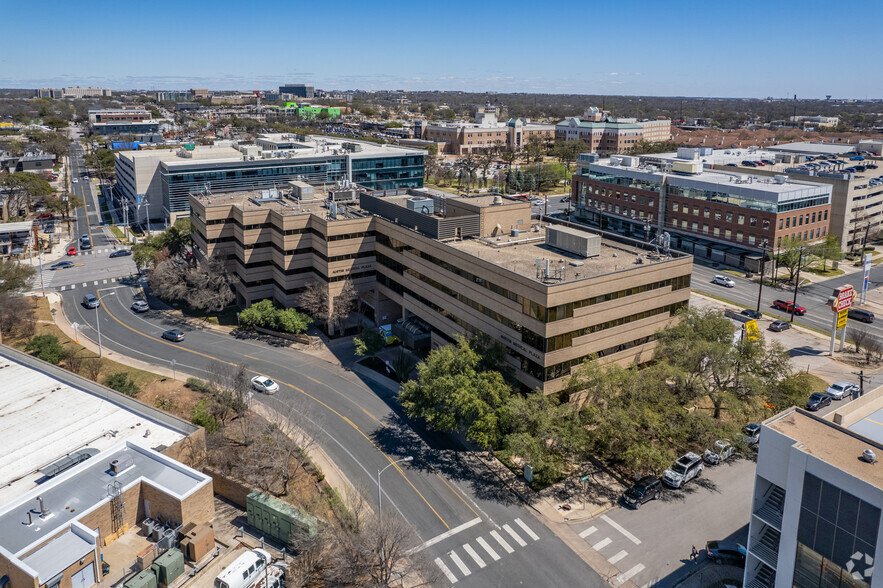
[569, 48]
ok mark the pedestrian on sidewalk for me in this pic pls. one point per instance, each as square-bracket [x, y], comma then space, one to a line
[694, 556]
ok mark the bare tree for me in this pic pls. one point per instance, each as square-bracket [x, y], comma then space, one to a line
[314, 300]
[17, 316]
[386, 551]
[344, 305]
[91, 368]
[205, 287]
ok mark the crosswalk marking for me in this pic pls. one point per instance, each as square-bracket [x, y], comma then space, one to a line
[85, 284]
[588, 532]
[619, 528]
[501, 541]
[527, 530]
[486, 546]
[626, 576]
[447, 572]
[459, 563]
[615, 558]
[474, 555]
[602, 543]
[104, 282]
[96, 283]
[515, 535]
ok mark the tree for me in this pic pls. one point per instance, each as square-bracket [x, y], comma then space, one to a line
[46, 347]
[535, 150]
[265, 314]
[15, 277]
[796, 256]
[122, 382]
[56, 204]
[484, 160]
[22, 188]
[567, 151]
[206, 287]
[16, 316]
[369, 342]
[430, 166]
[829, 249]
[453, 395]
[344, 305]
[466, 166]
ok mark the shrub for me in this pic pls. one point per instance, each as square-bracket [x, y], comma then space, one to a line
[369, 342]
[198, 385]
[122, 382]
[265, 314]
[46, 347]
[201, 416]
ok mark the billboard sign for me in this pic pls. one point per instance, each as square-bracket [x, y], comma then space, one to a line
[841, 319]
[842, 298]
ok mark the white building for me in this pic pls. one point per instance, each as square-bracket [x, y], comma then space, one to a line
[815, 515]
[78, 92]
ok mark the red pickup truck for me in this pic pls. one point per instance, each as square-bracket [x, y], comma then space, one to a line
[788, 306]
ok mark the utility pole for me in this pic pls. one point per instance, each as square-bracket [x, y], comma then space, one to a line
[796, 283]
[762, 268]
[861, 382]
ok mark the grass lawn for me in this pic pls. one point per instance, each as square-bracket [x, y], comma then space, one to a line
[813, 383]
[118, 233]
[830, 272]
[225, 318]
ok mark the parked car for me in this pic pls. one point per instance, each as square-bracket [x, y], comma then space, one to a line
[121, 253]
[723, 281]
[860, 314]
[49, 229]
[722, 451]
[264, 384]
[85, 245]
[788, 305]
[751, 433]
[840, 390]
[71, 250]
[565, 199]
[175, 335]
[726, 552]
[749, 163]
[91, 301]
[779, 326]
[818, 400]
[643, 490]
[751, 313]
[857, 158]
[687, 467]
[140, 306]
[61, 265]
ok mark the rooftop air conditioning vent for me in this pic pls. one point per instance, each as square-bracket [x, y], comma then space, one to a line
[869, 456]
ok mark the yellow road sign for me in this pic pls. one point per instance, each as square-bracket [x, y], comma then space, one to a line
[751, 330]
[841, 318]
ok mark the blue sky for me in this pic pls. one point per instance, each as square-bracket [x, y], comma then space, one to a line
[638, 47]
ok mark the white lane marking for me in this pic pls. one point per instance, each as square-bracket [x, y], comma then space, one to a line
[104, 282]
[447, 572]
[501, 541]
[85, 284]
[96, 282]
[474, 555]
[459, 562]
[588, 532]
[447, 534]
[488, 548]
[527, 530]
[514, 535]
[619, 528]
[62, 288]
[602, 543]
[626, 576]
[618, 556]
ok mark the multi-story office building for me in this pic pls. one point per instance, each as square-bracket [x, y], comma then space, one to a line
[126, 113]
[818, 497]
[724, 216]
[173, 96]
[78, 92]
[54, 93]
[125, 127]
[605, 134]
[199, 93]
[297, 91]
[456, 266]
[486, 131]
[158, 182]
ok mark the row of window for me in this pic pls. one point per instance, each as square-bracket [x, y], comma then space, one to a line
[320, 275]
[298, 231]
[799, 220]
[291, 271]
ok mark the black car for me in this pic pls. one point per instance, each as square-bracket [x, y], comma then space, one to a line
[818, 400]
[61, 265]
[860, 314]
[121, 253]
[754, 314]
[726, 551]
[644, 490]
[175, 335]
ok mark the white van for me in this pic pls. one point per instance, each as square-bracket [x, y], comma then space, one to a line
[245, 570]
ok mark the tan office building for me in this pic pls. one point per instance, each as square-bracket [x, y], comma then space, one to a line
[553, 296]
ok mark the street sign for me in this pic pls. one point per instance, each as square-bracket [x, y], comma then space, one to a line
[841, 319]
[842, 298]
[751, 330]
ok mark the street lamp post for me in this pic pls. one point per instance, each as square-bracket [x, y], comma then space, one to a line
[763, 246]
[796, 283]
[379, 493]
[98, 324]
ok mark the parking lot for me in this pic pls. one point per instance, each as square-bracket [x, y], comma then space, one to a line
[651, 546]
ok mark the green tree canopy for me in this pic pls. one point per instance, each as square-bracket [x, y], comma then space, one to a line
[369, 342]
[14, 277]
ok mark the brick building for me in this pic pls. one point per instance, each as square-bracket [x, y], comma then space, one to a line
[605, 134]
[486, 131]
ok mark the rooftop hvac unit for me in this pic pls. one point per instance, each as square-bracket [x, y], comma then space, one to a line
[780, 179]
[68, 462]
[121, 463]
[573, 241]
[421, 205]
[168, 567]
[589, 157]
[686, 167]
[629, 161]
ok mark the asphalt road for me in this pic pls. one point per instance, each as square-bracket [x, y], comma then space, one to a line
[88, 217]
[480, 534]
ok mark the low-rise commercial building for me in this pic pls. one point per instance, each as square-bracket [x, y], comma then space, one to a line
[457, 266]
[126, 113]
[158, 182]
[53, 93]
[815, 517]
[78, 92]
[604, 134]
[125, 127]
[725, 216]
[485, 132]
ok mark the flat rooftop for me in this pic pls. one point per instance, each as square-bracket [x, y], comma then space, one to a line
[72, 494]
[251, 200]
[43, 419]
[831, 443]
[519, 254]
[814, 148]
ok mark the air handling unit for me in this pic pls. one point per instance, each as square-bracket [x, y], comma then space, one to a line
[573, 241]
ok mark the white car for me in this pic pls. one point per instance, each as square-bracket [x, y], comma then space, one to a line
[840, 390]
[264, 384]
[723, 281]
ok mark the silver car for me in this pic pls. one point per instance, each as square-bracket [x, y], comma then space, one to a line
[687, 467]
[840, 390]
[722, 451]
[723, 281]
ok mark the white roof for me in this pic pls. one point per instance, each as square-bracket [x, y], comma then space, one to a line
[42, 419]
[814, 148]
